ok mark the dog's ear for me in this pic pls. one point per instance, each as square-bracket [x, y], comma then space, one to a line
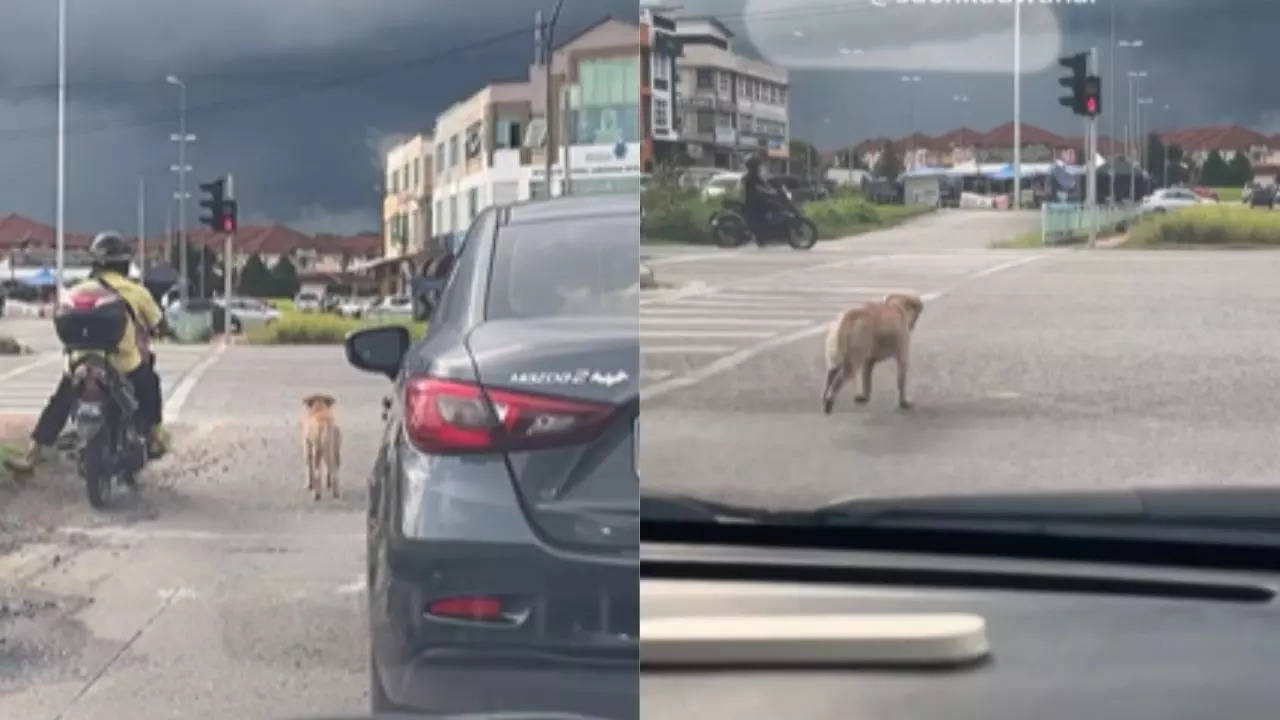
[328, 400]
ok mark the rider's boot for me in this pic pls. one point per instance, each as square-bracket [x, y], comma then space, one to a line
[157, 442]
[28, 460]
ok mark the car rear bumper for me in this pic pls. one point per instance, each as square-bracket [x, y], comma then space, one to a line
[575, 649]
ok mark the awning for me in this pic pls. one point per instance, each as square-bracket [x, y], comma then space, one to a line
[44, 277]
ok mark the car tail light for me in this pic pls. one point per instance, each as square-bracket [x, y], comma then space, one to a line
[467, 607]
[447, 416]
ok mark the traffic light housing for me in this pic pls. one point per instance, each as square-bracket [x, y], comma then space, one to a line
[222, 212]
[1091, 101]
[1078, 65]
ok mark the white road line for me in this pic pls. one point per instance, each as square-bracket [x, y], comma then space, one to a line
[713, 320]
[685, 350]
[729, 362]
[175, 402]
[15, 372]
[704, 288]
[703, 334]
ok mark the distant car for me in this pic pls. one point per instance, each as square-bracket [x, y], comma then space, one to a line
[395, 305]
[355, 307]
[1206, 193]
[801, 190]
[722, 184]
[308, 302]
[249, 312]
[1263, 196]
[1169, 199]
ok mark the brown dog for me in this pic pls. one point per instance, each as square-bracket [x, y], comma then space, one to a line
[321, 444]
[864, 336]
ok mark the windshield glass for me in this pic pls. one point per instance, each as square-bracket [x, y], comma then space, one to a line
[582, 266]
[938, 339]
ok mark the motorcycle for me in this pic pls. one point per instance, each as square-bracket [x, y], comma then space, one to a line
[730, 228]
[111, 442]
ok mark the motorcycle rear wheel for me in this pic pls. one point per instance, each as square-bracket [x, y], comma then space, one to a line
[730, 232]
[93, 468]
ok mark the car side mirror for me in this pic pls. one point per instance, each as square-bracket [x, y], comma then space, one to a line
[378, 350]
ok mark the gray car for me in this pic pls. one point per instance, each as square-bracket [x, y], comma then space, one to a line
[503, 529]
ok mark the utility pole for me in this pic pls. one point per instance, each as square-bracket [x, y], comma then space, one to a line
[1112, 51]
[547, 46]
[142, 229]
[1017, 104]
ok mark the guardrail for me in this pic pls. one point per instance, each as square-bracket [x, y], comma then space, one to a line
[1064, 222]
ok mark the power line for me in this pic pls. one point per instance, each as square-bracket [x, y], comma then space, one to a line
[214, 107]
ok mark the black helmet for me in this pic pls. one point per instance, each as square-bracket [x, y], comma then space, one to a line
[109, 247]
[753, 162]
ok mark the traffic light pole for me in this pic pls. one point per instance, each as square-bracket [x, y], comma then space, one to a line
[1092, 165]
[229, 264]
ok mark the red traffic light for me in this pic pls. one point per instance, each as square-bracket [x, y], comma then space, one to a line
[228, 224]
[1091, 105]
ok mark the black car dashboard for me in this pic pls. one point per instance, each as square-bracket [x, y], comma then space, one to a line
[1063, 639]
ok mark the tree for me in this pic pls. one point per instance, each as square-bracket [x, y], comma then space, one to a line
[284, 277]
[1239, 170]
[1178, 172]
[255, 279]
[1215, 172]
[888, 165]
[1155, 158]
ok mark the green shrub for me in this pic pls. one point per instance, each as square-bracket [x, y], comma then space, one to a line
[320, 329]
[1209, 225]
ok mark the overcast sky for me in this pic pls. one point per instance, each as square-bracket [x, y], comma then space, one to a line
[294, 97]
[1210, 61]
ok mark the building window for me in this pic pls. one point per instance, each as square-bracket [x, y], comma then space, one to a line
[473, 201]
[724, 120]
[661, 117]
[437, 218]
[453, 211]
[706, 79]
[453, 151]
[609, 109]
[508, 134]
[661, 67]
[782, 96]
[417, 163]
[706, 121]
[743, 84]
[439, 158]
[726, 80]
[746, 124]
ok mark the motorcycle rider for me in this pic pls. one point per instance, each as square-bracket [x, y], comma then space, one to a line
[132, 358]
[758, 198]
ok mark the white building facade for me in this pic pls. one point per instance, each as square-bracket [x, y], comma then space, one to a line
[406, 210]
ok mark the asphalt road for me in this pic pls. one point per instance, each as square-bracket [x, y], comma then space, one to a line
[223, 590]
[1032, 370]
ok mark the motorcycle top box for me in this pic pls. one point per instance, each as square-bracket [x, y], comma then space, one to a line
[91, 319]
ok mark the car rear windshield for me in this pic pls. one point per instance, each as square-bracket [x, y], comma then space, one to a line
[583, 266]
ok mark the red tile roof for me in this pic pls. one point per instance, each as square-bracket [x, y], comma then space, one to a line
[960, 137]
[1216, 137]
[277, 239]
[16, 231]
[1031, 135]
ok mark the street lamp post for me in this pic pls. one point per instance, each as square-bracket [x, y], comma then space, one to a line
[60, 232]
[1116, 45]
[1143, 147]
[911, 95]
[1134, 76]
[182, 138]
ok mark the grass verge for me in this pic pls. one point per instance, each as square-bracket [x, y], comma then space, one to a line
[8, 450]
[674, 215]
[1228, 194]
[295, 328]
[1211, 226]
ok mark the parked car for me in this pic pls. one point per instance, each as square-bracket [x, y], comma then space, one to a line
[1206, 193]
[248, 313]
[503, 522]
[308, 301]
[721, 184]
[1263, 196]
[356, 307]
[1167, 199]
[392, 305]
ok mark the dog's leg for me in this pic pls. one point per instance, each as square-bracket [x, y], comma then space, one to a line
[835, 380]
[902, 377]
[867, 366]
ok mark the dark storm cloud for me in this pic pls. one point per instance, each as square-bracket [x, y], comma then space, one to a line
[294, 97]
[1210, 62]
